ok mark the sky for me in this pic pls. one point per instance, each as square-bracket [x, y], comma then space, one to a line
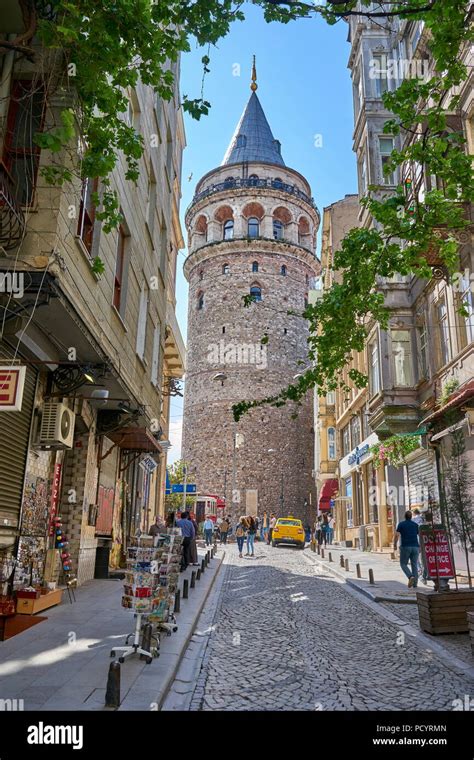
[305, 90]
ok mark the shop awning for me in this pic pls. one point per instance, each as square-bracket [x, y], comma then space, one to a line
[328, 491]
[135, 439]
[458, 397]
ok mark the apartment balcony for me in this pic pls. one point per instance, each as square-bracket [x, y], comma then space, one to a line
[394, 411]
[12, 220]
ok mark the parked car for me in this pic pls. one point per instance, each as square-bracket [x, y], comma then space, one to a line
[288, 530]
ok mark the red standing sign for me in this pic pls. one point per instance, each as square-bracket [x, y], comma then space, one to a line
[436, 552]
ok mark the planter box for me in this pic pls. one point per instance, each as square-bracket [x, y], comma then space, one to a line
[445, 612]
[32, 606]
[470, 621]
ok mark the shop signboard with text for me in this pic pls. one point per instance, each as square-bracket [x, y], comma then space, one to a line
[436, 552]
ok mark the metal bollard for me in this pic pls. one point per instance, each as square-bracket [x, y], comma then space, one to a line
[193, 579]
[371, 577]
[358, 571]
[341, 560]
[198, 574]
[146, 638]
[208, 557]
[330, 557]
[203, 566]
[177, 601]
[319, 549]
[185, 588]
[112, 692]
[322, 553]
[346, 565]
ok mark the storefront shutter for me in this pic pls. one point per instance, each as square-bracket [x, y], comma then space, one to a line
[14, 440]
[422, 484]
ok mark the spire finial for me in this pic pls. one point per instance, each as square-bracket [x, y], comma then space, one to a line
[254, 85]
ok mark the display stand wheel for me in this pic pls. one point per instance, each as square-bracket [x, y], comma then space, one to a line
[122, 659]
[112, 654]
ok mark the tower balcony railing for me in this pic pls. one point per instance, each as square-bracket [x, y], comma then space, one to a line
[12, 220]
[272, 184]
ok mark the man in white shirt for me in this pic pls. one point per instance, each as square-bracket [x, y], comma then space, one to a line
[208, 530]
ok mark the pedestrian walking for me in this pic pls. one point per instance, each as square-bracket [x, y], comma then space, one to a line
[273, 520]
[257, 526]
[332, 525]
[188, 533]
[224, 529]
[325, 530]
[240, 532]
[264, 527]
[251, 531]
[407, 533]
[193, 551]
[318, 530]
[208, 530]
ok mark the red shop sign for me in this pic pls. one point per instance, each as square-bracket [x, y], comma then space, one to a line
[54, 497]
[436, 552]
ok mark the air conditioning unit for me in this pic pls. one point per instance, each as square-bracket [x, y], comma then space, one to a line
[57, 426]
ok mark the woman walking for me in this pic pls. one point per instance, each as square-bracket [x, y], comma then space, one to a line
[240, 534]
[251, 531]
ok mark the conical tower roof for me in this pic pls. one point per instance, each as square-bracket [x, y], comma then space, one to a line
[253, 139]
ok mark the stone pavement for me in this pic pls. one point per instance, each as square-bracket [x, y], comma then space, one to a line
[63, 662]
[390, 582]
[288, 635]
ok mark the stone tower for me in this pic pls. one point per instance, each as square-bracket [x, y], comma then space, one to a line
[252, 229]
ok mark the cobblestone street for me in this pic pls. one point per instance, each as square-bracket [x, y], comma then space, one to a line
[289, 636]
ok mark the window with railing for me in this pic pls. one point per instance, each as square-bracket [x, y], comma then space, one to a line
[87, 211]
[21, 155]
[120, 276]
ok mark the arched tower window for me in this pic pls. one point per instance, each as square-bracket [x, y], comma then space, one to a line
[229, 182]
[281, 218]
[201, 226]
[228, 229]
[283, 270]
[278, 228]
[256, 292]
[225, 269]
[200, 301]
[253, 179]
[253, 227]
[278, 182]
[304, 232]
[255, 266]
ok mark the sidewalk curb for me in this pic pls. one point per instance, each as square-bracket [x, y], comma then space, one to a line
[166, 684]
[453, 663]
[375, 597]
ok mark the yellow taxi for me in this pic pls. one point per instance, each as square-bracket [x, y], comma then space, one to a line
[288, 530]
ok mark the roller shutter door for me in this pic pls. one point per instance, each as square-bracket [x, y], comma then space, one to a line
[421, 474]
[14, 440]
